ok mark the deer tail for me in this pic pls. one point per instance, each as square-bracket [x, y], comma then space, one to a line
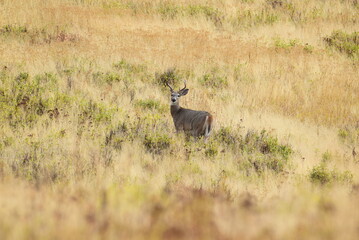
[208, 125]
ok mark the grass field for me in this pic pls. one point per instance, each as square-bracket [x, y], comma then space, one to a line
[88, 149]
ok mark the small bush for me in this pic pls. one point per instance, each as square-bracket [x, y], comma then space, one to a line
[344, 42]
[210, 13]
[151, 104]
[211, 149]
[321, 174]
[157, 142]
[260, 163]
[249, 18]
[13, 29]
[96, 112]
[308, 48]
[343, 133]
[214, 79]
[37, 35]
[227, 136]
[349, 135]
[28, 98]
[172, 76]
[266, 144]
[279, 43]
[326, 157]
[169, 11]
[107, 77]
[265, 152]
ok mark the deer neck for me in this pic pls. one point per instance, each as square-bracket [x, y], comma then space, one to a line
[174, 109]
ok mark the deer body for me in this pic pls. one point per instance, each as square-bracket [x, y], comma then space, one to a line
[195, 123]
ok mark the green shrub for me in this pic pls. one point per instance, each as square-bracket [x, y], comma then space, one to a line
[211, 149]
[116, 137]
[28, 98]
[214, 79]
[265, 152]
[260, 163]
[266, 144]
[344, 42]
[171, 76]
[227, 136]
[249, 18]
[168, 10]
[151, 104]
[129, 68]
[37, 35]
[349, 135]
[96, 112]
[326, 157]
[308, 48]
[210, 13]
[343, 133]
[157, 142]
[13, 29]
[279, 43]
[321, 174]
[124, 72]
[106, 77]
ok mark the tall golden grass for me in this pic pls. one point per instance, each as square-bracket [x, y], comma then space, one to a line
[59, 179]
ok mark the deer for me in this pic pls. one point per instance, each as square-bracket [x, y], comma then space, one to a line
[192, 122]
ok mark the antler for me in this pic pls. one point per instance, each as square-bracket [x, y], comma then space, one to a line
[184, 86]
[169, 86]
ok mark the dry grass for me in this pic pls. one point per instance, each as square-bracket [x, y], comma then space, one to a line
[68, 172]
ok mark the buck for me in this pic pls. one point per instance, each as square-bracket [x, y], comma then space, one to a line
[195, 123]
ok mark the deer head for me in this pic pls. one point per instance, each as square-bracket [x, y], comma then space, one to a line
[176, 95]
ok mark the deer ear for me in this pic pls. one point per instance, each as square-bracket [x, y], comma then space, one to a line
[184, 92]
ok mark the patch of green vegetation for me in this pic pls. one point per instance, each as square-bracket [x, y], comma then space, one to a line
[265, 152]
[344, 42]
[308, 48]
[37, 35]
[321, 174]
[211, 149]
[242, 74]
[120, 134]
[106, 77]
[212, 14]
[123, 72]
[123, 65]
[95, 112]
[6, 141]
[172, 76]
[349, 135]
[32, 163]
[266, 144]
[279, 43]
[157, 142]
[228, 137]
[151, 104]
[24, 99]
[169, 10]
[248, 18]
[291, 43]
[13, 29]
[214, 79]
[327, 157]
[343, 133]
[149, 129]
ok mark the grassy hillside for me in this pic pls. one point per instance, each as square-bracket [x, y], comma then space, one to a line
[87, 144]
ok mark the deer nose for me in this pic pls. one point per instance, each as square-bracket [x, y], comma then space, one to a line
[173, 99]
